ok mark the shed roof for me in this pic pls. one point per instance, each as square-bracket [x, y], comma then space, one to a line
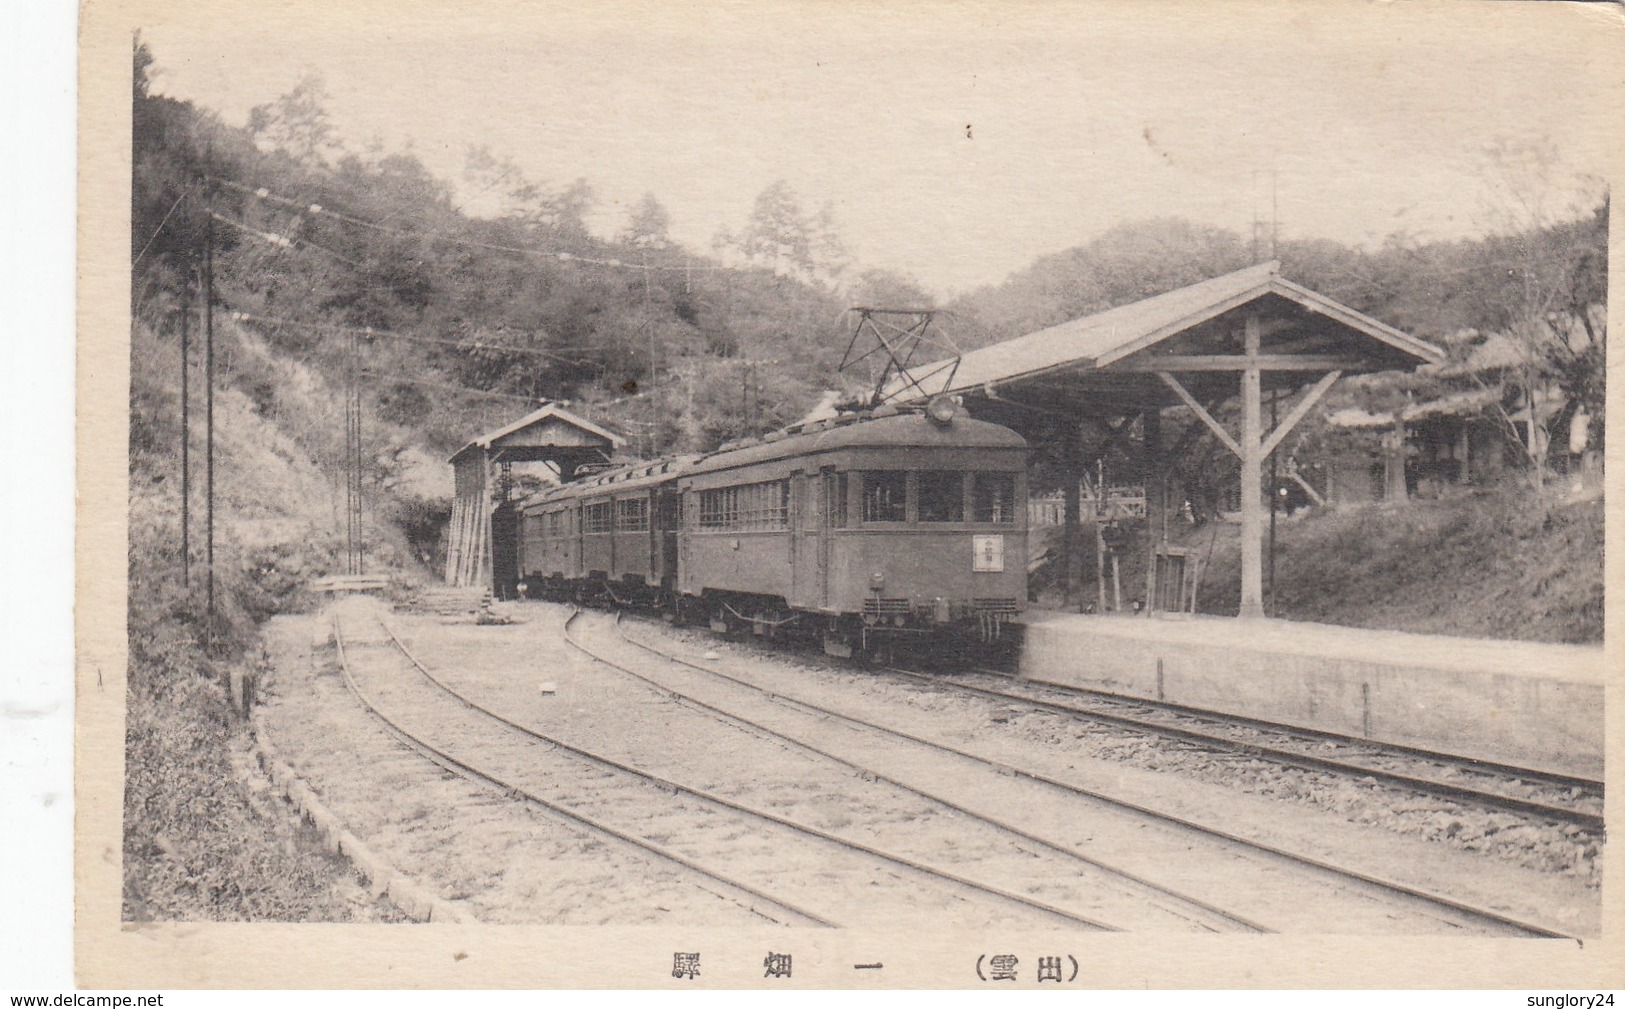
[1077, 357]
[549, 415]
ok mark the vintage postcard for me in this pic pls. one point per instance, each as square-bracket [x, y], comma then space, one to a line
[850, 496]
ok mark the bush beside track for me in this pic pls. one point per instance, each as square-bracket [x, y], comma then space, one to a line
[1494, 562]
[200, 842]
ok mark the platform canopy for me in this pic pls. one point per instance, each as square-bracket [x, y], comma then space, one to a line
[1195, 347]
[1108, 364]
[552, 435]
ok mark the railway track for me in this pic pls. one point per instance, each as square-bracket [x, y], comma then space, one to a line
[508, 785]
[1199, 913]
[714, 825]
[1559, 798]
[1454, 913]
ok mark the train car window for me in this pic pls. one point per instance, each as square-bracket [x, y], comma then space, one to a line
[995, 498]
[838, 506]
[632, 516]
[597, 518]
[719, 507]
[555, 523]
[942, 496]
[885, 496]
[749, 508]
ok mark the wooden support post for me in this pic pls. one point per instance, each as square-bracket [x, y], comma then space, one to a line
[1274, 504]
[1393, 462]
[1153, 502]
[1252, 477]
[1072, 475]
[1100, 563]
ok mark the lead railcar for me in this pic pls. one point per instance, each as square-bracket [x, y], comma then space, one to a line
[859, 529]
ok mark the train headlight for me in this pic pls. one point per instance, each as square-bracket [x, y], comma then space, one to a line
[877, 582]
[942, 409]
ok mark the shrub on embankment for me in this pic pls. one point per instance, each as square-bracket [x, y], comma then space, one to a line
[198, 843]
[1496, 562]
[1499, 562]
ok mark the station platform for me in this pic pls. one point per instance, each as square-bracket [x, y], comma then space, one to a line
[1514, 702]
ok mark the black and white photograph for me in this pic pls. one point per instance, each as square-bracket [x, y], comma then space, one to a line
[854, 495]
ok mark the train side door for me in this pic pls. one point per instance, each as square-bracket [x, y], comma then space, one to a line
[831, 507]
[668, 512]
[803, 515]
[578, 569]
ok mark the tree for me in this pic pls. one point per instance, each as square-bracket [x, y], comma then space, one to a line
[498, 185]
[1127, 263]
[648, 224]
[827, 252]
[1544, 283]
[778, 234]
[566, 210]
[297, 124]
[888, 289]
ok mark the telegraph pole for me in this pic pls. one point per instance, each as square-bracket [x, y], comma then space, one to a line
[208, 397]
[1270, 593]
[648, 318]
[186, 426]
[355, 550]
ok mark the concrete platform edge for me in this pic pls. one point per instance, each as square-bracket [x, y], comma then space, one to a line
[1539, 721]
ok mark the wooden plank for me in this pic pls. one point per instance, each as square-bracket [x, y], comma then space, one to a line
[1314, 495]
[1298, 412]
[1241, 362]
[1201, 412]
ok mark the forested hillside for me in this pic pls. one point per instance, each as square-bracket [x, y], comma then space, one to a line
[454, 306]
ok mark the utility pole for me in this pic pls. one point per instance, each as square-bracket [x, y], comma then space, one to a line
[1275, 213]
[186, 426]
[1259, 234]
[1151, 428]
[208, 397]
[355, 560]
[1274, 421]
[648, 318]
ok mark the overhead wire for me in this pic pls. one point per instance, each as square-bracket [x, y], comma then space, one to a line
[409, 337]
[284, 241]
[396, 378]
[315, 209]
[159, 230]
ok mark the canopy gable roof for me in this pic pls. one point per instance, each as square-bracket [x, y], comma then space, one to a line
[1106, 362]
[541, 434]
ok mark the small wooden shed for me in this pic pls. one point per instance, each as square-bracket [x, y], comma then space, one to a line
[482, 470]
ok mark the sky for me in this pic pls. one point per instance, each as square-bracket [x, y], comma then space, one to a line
[954, 142]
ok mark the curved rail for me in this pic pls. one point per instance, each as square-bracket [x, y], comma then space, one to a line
[905, 861]
[1383, 884]
[1157, 890]
[468, 771]
[1303, 761]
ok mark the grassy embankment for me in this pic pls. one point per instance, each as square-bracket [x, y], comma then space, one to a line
[1497, 562]
[200, 843]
